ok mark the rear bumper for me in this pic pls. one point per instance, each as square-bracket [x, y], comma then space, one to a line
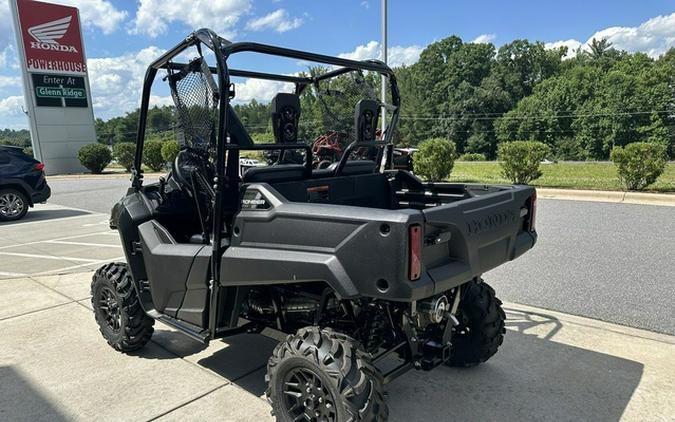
[42, 194]
[455, 273]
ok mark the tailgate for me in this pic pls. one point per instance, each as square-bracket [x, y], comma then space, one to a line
[466, 238]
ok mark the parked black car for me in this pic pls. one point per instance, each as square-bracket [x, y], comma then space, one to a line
[22, 183]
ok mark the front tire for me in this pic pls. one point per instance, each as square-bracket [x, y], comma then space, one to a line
[481, 330]
[117, 309]
[322, 375]
[13, 204]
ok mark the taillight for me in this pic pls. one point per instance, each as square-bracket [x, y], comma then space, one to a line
[39, 167]
[533, 211]
[414, 252]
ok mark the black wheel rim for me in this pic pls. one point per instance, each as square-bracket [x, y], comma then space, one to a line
[306, 398]
[109, 308]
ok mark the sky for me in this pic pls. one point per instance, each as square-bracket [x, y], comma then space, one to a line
[122, 37]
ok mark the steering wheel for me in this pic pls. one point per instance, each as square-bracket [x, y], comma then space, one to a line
[190, 162]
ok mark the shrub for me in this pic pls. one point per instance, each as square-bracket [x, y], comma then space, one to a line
[169, 151]
[435, 158]
[95, 157]
[639, 164]
[520, 160]
[152, 155]
[123, 153]
[472, 156]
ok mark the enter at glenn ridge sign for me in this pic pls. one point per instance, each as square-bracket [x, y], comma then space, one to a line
[59, 90]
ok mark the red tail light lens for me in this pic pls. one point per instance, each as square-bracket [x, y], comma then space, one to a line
[39, 167]
[414, 253]
[533, 211]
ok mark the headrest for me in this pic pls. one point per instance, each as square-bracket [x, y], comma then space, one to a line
[365, 120]
[285, 116]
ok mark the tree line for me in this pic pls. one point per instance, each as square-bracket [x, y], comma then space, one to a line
[479, 96]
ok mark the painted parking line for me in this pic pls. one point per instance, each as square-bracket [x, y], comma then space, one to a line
[74, 240]
[9, 274]
[66, 242]
[78, 236]
[59, 258]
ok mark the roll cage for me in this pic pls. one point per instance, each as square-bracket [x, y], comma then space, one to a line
[227, 148]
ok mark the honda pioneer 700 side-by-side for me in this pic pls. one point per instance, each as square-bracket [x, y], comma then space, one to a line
[369, 271]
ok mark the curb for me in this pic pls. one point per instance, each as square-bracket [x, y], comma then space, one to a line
[640, 198]
[109, 176]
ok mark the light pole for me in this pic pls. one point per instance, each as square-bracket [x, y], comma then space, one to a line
[384, 59]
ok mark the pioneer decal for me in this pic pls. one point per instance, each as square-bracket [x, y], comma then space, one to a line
[254, 200]
[51, 37]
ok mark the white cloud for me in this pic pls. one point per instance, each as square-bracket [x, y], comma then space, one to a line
[153, 17]
[484, 38]
[11, 106]
[99, 13]
[572, 47]
[653, 37]
[279, 20]
[365, 4]
[10, 82]
[116, 82]
[259, 89]
[398, 55]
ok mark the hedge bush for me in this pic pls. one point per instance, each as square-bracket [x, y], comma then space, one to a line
[95, 157]
[520, 160]
[169, 151]
[472, 156]
[434, 159]
[152, 155]
[123, 153]
[639, 164]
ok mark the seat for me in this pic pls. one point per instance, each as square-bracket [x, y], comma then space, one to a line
[351, 168]
[275, 173]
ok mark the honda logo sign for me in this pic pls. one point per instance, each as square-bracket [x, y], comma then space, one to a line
[51, 37]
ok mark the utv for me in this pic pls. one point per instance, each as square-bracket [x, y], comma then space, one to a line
[368, 270]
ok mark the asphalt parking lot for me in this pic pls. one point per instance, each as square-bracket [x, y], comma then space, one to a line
[53, 239]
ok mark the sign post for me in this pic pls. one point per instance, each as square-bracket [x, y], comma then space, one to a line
[55, 81]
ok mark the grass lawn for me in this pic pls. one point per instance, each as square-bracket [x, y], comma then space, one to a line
[569, 175]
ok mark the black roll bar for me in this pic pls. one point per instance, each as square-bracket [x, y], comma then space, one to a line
[226, 181]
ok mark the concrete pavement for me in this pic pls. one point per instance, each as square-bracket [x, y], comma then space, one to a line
[54, 365]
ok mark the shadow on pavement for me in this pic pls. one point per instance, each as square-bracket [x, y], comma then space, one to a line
[532, 377]
[43, 215]
[21, 400]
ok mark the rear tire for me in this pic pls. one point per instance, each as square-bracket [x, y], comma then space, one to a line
[325, 376]
[117, 309]
[482, 319]
[13, 204]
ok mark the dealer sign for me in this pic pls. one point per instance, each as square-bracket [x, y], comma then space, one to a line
[51, 37]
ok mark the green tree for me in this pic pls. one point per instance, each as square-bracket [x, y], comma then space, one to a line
[152, 155]
[639, 164]
[435, 159]
[95, 157]
[520, 160]
[124, 153]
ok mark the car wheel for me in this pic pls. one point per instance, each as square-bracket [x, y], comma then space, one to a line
[13, 204]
